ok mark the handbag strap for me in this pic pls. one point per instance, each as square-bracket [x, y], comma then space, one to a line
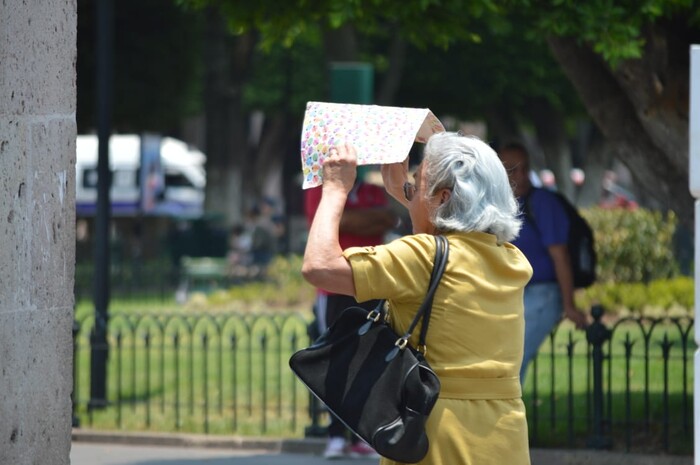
[442, 251]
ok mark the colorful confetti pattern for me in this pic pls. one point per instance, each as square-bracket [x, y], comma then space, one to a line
[380, 134]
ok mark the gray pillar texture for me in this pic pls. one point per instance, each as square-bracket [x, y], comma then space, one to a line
[37, 229]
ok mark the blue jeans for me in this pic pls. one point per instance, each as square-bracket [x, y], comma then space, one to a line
[543, 311]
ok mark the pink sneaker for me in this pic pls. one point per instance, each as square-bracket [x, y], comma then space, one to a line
[361, 450]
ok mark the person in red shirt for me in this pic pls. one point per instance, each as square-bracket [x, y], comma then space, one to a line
[366, 219]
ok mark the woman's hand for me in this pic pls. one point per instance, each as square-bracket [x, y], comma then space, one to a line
[577, 317]
[394, 176]
[340, 169]
[324, 265]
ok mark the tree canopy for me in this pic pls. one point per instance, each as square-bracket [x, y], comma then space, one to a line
[423, 22]
[627, 60]
[613, 29]
[157, 69]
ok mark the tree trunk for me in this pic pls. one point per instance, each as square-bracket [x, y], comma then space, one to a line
[340, 44]
[552, 137]
[270, 156]
[221, 178]
[598, 159]
[392, 77]
[657, 85]
[659, 168]
[226, 62]
[502, 126]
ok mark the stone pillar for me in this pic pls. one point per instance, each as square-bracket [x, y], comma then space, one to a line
[37, 229]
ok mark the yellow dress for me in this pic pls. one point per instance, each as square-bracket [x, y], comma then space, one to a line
[474, 341]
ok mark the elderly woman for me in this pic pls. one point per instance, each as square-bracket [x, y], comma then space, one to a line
[475, 337]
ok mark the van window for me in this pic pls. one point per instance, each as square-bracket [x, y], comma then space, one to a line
[120, 178]
[174, 179]
[90, 178]
[124, 178]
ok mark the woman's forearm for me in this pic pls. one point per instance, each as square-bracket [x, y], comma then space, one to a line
[324, 265]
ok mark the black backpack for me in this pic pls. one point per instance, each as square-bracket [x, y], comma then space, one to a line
[580, 242]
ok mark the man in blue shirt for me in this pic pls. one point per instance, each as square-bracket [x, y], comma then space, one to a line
[543, 240]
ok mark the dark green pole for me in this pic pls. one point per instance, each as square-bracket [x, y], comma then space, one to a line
[98, 338]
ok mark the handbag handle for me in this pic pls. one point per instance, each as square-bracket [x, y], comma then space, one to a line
[442, 252]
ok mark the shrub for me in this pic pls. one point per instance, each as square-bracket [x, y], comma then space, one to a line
[637, 269]
[633, 245]
[284, 288]
[663, 297]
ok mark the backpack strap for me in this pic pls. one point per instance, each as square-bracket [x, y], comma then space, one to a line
[530, 216]
[527, 210]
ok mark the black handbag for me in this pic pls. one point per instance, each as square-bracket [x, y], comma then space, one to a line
[379, 386]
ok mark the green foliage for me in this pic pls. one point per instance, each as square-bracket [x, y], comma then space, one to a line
[434, 22]
[144, 290]
[157, 65]
[612, 27]
[283, 288]
[663, 297]
[287, 77]
[471, 79]
[637, 270]
[678, 291]
[633, 245]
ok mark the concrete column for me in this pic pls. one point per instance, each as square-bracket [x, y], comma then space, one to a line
[37, 228]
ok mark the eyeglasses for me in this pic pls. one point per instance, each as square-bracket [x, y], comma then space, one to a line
[409, 190]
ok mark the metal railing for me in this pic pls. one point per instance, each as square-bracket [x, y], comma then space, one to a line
[627, 386]
[200, 373]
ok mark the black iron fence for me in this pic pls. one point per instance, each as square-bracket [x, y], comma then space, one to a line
[201, 373]
[627, 384]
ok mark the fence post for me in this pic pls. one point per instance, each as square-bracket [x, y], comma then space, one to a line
[315, 408]
[596, 335]
[76, 361]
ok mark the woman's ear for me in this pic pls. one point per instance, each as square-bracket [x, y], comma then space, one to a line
[445, 195]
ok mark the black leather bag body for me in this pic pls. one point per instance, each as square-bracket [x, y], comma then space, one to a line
[379, 386]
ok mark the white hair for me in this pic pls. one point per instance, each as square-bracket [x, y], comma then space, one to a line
[482, 199]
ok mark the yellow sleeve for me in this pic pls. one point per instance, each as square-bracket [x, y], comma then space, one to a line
[397, 271]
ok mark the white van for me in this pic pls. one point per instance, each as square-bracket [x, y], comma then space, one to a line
[180, 172]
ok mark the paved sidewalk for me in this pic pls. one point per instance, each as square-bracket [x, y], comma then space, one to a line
[111, 454]
[126, 448]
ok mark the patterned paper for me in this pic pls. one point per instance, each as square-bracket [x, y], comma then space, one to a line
[380, 134]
